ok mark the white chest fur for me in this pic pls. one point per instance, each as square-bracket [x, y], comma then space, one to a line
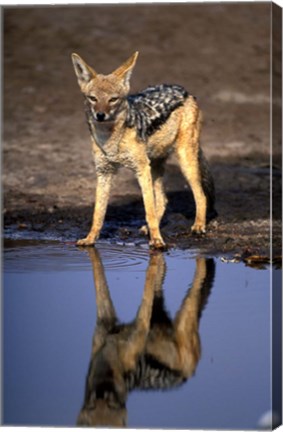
[103, 132]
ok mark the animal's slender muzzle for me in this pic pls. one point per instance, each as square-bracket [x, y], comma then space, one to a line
[100, 116]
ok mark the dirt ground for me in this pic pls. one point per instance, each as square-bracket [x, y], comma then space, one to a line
[219, 52]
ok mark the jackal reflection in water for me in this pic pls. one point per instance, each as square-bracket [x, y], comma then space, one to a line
[152, 352]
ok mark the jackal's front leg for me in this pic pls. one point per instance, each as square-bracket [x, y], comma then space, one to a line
[105, 309]
[146, 184]
[101, 200]
[135, 345]
[106, 315]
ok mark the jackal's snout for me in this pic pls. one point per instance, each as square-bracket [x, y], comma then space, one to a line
[100, 116]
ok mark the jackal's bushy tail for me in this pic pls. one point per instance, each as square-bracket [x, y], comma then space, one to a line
[207, 184]
[207, 284]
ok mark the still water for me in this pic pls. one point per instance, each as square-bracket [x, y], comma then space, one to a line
[120, 336]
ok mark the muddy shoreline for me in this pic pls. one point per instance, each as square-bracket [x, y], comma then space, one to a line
[226, 236]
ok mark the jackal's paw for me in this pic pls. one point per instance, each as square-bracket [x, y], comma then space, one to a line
[157, 244]
[198, 228]
[144, 230]
[87, 241]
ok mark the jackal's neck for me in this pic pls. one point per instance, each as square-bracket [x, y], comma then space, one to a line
[107, 134]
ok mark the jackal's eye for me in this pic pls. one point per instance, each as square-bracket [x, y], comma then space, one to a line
[92, 98]
[113, 99]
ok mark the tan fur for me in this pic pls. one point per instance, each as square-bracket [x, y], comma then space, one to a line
[121, 346]
[115, 144]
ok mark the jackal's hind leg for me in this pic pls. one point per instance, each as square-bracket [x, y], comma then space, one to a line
[186, 322]
[190, 166]
[193, 164]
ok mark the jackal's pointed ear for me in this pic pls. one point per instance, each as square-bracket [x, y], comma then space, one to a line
[125, 70]
[83, 71]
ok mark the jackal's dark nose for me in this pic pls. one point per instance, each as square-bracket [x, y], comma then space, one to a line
[100, 116]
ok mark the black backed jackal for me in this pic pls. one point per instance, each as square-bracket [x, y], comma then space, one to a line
[152, 352]
[139, 132]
